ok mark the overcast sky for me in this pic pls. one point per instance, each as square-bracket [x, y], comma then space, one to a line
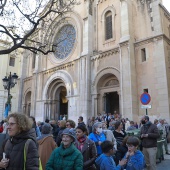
[166, 3]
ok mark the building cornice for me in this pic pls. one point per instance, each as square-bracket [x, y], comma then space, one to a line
[166, 12]
[124, 43]
[28, 79]
[61, 67]
[105, 54]
[151, 39]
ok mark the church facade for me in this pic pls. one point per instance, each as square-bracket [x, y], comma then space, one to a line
[115, 51]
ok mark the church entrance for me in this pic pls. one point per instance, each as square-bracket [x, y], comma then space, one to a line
[112, 102]
[108, 94]
[56, 105]
[63, 111]
[27, 105]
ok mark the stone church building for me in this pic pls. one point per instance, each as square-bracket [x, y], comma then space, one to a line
[117, 49]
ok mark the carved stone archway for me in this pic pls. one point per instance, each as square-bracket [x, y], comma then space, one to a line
[106, 87]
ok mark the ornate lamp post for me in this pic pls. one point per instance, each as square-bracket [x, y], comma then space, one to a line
[8, 83]
[2, 4]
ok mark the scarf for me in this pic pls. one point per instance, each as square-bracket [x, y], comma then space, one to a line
[81, 142]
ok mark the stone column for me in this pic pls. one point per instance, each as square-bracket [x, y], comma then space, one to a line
[94, 105]
[120, 106]
[125, 35]
[104, 102]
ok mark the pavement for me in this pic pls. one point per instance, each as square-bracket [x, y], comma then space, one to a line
[165, 163]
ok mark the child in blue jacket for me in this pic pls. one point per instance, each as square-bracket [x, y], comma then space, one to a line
[135, 158]
[105, 161]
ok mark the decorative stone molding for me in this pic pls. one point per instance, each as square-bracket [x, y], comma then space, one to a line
[100, 1]
[106, 68]
[105, 54]
[65, 77]
[125, 43]
[28, 79]
[61, 67]
[166, 12]
[150, 40]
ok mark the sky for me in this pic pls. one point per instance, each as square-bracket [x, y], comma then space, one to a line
[166, 3]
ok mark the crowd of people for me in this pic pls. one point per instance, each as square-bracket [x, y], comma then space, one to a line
[101, 144]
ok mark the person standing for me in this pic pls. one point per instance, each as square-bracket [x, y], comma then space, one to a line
[135, 158]
[70, 124]
[34, 125]
[62, 126]
[67, 156]
[161, 126]
[119, 133]
[127, 123]
[20, 131]
[97, 136]
[5, 124]
[105, 161]
[46, 144]
[86, 147]
[1, 126]
[132, 126]
[80, 121]
[149, 135]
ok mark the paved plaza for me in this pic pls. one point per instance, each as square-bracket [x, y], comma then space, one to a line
[166, 162]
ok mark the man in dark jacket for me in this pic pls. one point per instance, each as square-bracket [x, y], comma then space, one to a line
[80, 121]
[149, 136]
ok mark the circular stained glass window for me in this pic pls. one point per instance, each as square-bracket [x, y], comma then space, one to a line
[64, 41]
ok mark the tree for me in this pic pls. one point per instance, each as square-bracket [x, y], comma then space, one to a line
[20, 21]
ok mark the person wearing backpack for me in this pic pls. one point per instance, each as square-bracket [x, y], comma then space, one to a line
[14, 155]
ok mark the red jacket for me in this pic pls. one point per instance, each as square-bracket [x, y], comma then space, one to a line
[1, 129]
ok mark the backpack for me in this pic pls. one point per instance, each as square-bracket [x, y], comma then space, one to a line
[25, 155]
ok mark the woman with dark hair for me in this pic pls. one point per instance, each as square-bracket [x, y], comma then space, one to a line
[70, 124]
[119, 134]
[34, 125]
[86, 147]
[20, 132]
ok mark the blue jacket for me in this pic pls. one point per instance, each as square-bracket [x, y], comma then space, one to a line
[136, 161]
[106, 163]
[96, 138]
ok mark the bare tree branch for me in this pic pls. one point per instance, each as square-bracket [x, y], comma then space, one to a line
[22, 32]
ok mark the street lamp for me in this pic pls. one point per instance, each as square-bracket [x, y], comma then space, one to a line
[8, 83]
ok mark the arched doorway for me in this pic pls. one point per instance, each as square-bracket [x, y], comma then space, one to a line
[108, 97]
[27, 106]
[63, 105]
[56, 105]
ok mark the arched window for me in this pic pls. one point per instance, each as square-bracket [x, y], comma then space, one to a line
[108, 25]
